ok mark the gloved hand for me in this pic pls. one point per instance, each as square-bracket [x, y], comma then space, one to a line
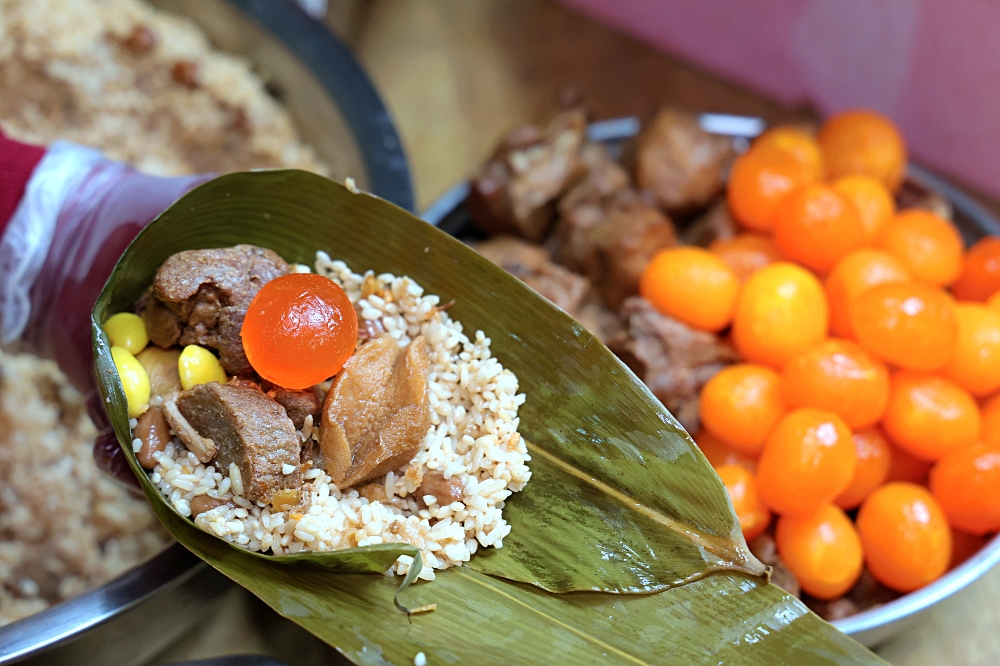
[66, 215]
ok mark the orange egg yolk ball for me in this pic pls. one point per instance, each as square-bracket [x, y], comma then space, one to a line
[807, 461]
[299, 330]
[905, 536]
[822, 549]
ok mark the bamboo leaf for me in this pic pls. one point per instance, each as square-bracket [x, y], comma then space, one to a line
[621, 500]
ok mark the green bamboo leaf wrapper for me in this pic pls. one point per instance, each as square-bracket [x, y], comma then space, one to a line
[620, 500]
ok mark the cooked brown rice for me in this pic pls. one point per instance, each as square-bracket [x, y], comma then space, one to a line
[473, 438]
[64, 526]
[71, 69]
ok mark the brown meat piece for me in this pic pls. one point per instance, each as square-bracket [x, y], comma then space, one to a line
[766, 550]
[610, 243]
[833, 610]
[163, 327]
[586, 205]
[869, 593]
[298, 404]
[716, 224]
[376, 414]
[567, 290]
[228, 341]
[514, 193]
[673, 359]
[531, 264]
[603, 177]
[249, 429]
[624, 243]
[680, 163]
[600, 321]
[208, 292]
[445, 491]
[203, 448]
[607, 231]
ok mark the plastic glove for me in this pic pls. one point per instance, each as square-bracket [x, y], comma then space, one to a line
[77, 214]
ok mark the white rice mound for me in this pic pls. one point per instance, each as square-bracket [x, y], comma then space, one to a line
[473, 437]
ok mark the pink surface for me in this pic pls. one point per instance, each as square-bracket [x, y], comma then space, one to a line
[931, 65]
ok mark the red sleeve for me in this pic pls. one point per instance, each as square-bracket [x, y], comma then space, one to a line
[17, 161]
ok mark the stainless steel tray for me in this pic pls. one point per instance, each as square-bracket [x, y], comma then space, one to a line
[337, 110]
[876, 625]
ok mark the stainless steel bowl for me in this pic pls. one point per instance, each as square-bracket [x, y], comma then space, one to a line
[337, 110]
[874, 626]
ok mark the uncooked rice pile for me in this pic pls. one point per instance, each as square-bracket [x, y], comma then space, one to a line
[474, 403]
[64, 526]
[139, 84]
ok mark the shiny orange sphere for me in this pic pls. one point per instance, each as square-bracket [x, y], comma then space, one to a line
[741, 404]
[853, 275]
[299, 330]
[966, 483]
[904, 466]
[816, 226]
[975, 366]
[990, 431]
[822, 549]
[692, 285]
[742, 488]
[799, 143]
[840, 377]
[780, 313]
[908, 325]
[993, 302]
[746, 252]
[871, 199]
[807, 461]
[930, 416]
[720, 454]
[866, 143]
[758, 181]
[980, 277]
[929, 246]
[872, 469]
[905, 536]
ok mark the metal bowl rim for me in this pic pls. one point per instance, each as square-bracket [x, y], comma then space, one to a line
[913, 602]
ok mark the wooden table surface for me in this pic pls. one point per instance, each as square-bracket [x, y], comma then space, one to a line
[458, 73]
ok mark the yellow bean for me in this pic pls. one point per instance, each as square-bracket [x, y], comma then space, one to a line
[127, 330]
[197, 365]
[135, 381]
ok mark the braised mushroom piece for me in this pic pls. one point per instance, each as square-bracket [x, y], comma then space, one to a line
[377, 413]
[250, 430]
[200, 297]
